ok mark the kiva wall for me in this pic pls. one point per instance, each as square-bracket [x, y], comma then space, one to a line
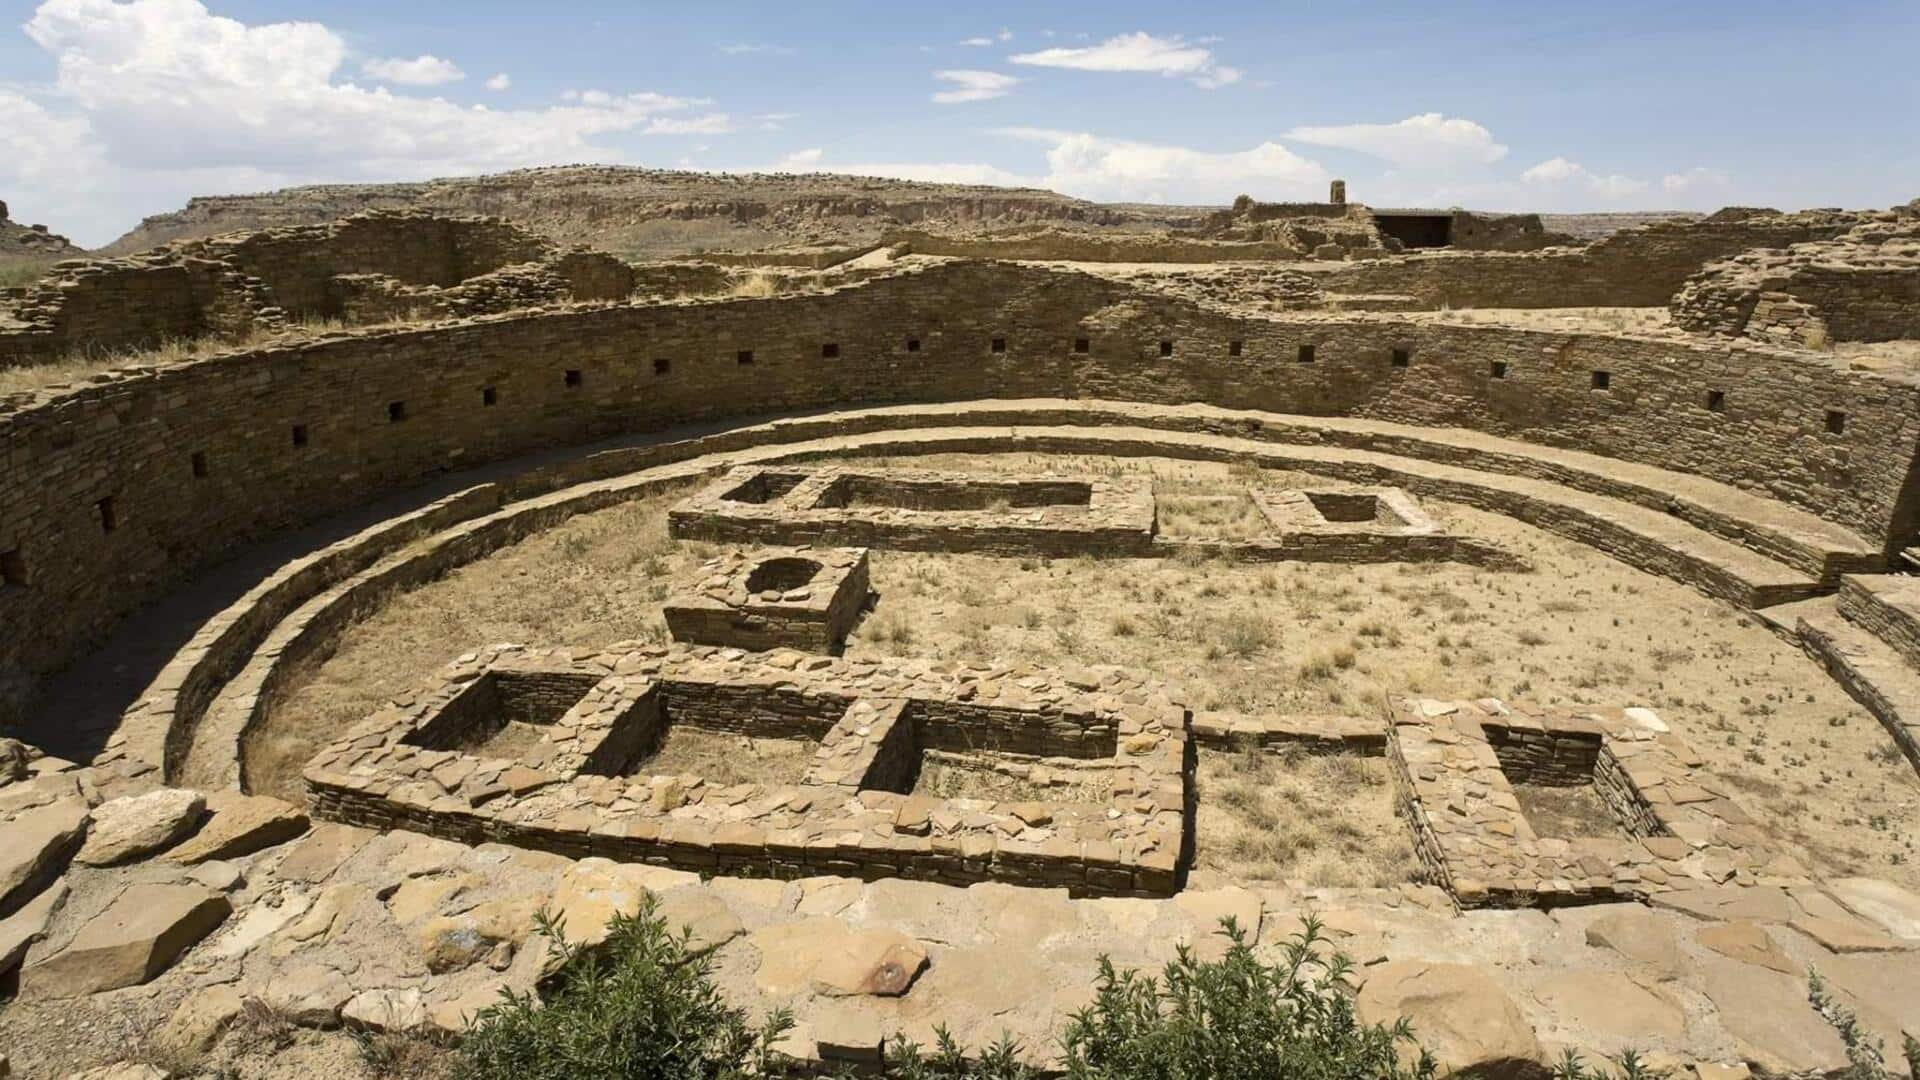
[117, 491]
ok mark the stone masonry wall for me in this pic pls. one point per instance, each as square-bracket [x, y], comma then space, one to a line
[1633, 268]
[1864, 286]
[118, 490]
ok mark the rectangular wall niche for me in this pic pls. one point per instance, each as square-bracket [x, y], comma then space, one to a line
[754, 765]
[857, 506]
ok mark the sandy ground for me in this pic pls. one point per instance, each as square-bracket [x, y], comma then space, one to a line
[1579, 629]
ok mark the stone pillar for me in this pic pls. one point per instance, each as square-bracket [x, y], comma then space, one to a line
[1338, 195]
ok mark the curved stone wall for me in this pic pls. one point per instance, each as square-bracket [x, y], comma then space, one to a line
[116, 491]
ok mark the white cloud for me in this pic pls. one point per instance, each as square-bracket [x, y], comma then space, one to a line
[976, 42]
[1695, 180]
[748, 48]
[1170, 56]
[1095, 167]
[502, 81]
[164, 92]
[973, 86]
[419, 71]
[774, 121]
[1426, 141]
[1558, 172]
[800, 160]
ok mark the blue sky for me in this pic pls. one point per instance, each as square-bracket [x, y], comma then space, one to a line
[114, 109]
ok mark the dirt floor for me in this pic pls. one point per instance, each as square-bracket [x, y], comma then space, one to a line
[1579, 629]
[1567, 812]
[723, 758]
[1302, 818]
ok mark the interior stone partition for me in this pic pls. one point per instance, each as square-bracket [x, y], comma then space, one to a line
[448, 760]
[923, 510]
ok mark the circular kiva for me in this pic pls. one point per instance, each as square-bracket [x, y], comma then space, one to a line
[1709, 536]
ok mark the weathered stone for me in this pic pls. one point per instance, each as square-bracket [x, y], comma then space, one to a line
[591, 894]
[703, 917]
[883, 963]
[1638, 934]
[240, 825]
[1611, 1004]
[320, 852]
[1463, 1017]
[35, 848]
[307, 993]
[1894, 908]
[1767, 1014]
[139, 825]
[386, 1010]
[1748, 943]
[21, 929]
[197, 1022]
[138, 936]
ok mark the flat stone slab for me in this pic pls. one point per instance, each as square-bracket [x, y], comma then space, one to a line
[21, 929]
[1462, 1015]
[35, 847]
[241, 825]
[136, 826]
[138, 936]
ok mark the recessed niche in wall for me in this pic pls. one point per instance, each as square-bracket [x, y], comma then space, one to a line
[830, 351]
[299, 434]
[1836, 422]
[1235, 348]
[396, 411]
[1306, 354]
[999, 344]
[199, 462]
[662, 365]
[573, 377]
[913, 344]
[1402, 357]
[744, 357]
[1716, 401]
[1166, 348]
[1497, 369]
[1081, 345]
[489, 396]
[13, 569]
[1603, 380]
[109, 518]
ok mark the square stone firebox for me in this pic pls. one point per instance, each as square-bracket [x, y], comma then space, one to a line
[1078, 777]
[770, 598]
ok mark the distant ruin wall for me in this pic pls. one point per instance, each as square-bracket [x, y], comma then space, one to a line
[383, 264]
[1864, 286]
[119, 490]
[1633, 268]
[1092, 247]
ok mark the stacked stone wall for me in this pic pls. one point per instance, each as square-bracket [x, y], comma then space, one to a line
[1864, 286]
[199, 458]
[1633, 268]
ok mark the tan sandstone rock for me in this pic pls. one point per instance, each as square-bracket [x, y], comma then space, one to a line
[138, 936]
[136, 826]
[1894, 908]
[21, 929]
[35, 848]
[240, 825]
[200, 1018]
[1748, 943]
[1460, 1014]
[883, 963]
[1637, 934]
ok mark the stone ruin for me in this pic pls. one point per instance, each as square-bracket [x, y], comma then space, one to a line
[379, 266]
[884, 842]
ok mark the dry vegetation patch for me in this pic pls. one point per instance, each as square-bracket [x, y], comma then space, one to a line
[723, 758]
[1313, 819]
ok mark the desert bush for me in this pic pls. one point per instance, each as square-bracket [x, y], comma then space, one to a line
[1237, 1017]
[641, 1006]
[1866, 1058]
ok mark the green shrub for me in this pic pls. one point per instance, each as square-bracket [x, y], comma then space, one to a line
[642, 1006]
[1235, 1017]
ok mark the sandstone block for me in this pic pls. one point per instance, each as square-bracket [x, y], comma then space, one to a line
[35, 847]
[240, 825]
[138, 825]
[1464, 1017]
[138, 936]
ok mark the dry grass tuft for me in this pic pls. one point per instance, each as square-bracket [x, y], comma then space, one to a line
[1320, 820]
